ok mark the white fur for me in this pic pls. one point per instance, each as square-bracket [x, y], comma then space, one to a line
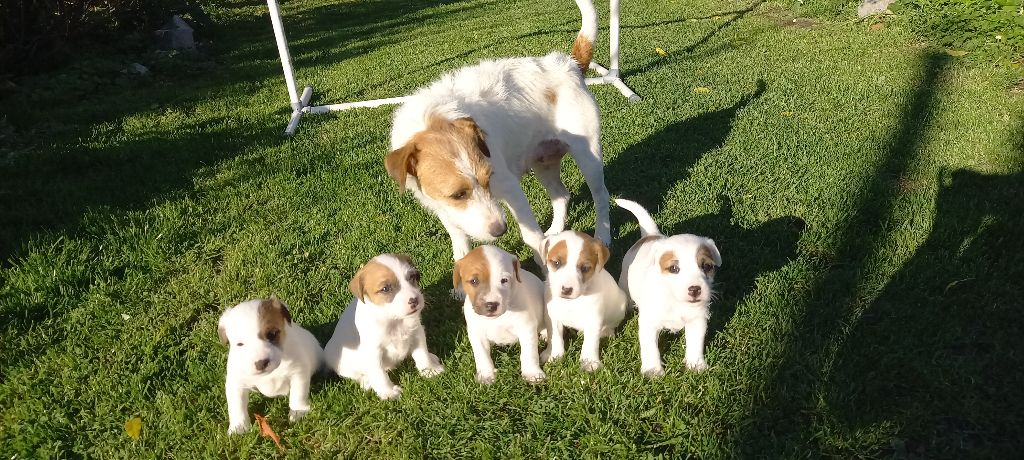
[596, 307]
[370, 339]
[290, 367]
[520, 317]
[662, 299]
[506, 99]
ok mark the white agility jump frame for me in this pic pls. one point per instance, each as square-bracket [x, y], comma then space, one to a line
[300, 102]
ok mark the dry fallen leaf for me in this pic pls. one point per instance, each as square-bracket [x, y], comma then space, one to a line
[878, 26]
[702, 90]
[133, 427]
[787, 114]
[956, 53]
[660, 52]
[267, 431]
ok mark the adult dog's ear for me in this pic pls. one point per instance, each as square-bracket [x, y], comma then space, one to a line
[401, 163]
[469, 126]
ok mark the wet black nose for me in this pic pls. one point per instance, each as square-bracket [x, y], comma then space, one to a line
[694, 291]
[414, 301]
[262, 364]
[566, 290]
[497, 229]
[491, 307]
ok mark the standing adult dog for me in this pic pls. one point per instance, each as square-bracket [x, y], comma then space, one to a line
[464, 142]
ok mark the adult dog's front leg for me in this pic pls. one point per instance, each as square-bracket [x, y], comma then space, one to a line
[460, 241]
[511, 192]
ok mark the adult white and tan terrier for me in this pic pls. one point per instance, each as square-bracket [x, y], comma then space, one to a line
[669, 278]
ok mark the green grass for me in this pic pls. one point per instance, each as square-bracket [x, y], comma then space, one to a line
[866, 191]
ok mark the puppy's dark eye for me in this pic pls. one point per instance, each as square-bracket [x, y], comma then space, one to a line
[556, 263]
[386, 289]
[460, 195]
[584, 269]
[504, 281]
[474, 282]
[673, 269]
[271, 336]
[239, 344]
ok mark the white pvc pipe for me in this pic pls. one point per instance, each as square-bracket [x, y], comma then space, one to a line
[613, 38]
[353, 105]
[286, 58]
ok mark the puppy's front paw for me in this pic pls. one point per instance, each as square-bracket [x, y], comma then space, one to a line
[393, 393]
[590, 365]
[295, 415]
[485, 378]
[697, 366]
[432, 371]
[536, 376]
[653, 372]
[239, 428]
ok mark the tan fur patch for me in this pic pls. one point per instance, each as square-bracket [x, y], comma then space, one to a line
[436, 154]
[473, 267]
[557, 255]
[668, 259]
[593, 256]
[705, 261]
[583, 52]
[551, 96]
[376, 281]
[273, 317]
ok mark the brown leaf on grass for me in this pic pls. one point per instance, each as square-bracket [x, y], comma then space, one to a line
[267, 431]
[878, 26]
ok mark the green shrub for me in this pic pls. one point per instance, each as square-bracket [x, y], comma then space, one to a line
[990, 28]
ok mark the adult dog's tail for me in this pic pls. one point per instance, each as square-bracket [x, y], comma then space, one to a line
[647, 225]
[583, 47]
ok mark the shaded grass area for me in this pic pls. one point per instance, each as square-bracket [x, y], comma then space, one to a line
[865, 193]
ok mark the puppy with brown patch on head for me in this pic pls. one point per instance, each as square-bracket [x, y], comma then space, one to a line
[580, 294]
[381, 326]
[463, 143]
[669, 278]
[504, 305]
[268, 352]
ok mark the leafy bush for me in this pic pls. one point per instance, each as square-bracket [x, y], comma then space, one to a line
[37, 35]
[990, 28]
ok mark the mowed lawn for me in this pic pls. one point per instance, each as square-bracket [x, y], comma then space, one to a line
[866, 191]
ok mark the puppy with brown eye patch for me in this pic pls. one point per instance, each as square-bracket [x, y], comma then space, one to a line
[463, 143]
[580, 294]
[669, 278]
[504, 305]
[269, 353]
[381, 326]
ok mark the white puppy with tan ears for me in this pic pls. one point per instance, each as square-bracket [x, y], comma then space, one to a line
[381, 327]
[669, 278]
[580, 294]
[463, 143]
[504, 305]
[268, 352]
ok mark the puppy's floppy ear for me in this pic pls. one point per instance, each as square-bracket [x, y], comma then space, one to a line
[456, 275]
[602, 251]
[713, 250]
[515, 269]
[401, 163]
[356, 284]
[222, 331]
[544, 248]
[469, 126]
[278, 305]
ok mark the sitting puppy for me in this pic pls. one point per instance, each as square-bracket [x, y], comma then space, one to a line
[580, 294]
[504, 305]
[269, 353]
[381, 326]
[463, 143]
[669, 278]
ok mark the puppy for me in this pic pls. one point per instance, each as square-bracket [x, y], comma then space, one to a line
[504, 305]
[381, 326]
[269, 353]
[669, 278]
[580, 294]
[464, 142]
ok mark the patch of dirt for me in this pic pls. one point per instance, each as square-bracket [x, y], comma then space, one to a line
[1017, 87]
[799, 23]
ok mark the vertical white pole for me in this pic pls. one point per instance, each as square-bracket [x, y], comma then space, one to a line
[286, 58]
[613, 38]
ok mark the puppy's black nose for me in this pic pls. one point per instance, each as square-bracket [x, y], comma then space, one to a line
[262, 364]
[413, 301]
[497, 229]
[566, 290]
[491, 307]
[694, 291]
